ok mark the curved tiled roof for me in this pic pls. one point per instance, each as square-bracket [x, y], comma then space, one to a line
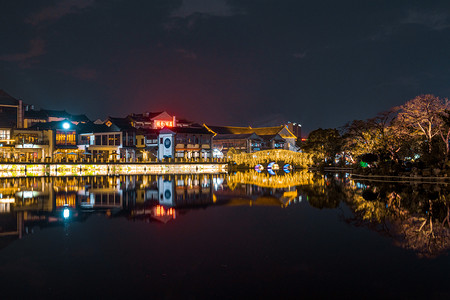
[261, 131]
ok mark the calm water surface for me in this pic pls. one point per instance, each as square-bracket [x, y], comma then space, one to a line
[243, 235]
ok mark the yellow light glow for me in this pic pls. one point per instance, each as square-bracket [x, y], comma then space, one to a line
[7, 200]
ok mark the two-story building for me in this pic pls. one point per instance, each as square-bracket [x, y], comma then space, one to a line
[185, 142]
[61, 137]
[113, 140]
[99, 141]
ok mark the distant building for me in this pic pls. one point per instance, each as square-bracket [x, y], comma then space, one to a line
[151, 120]
[295, 128]
[248, 139]
[32, 117]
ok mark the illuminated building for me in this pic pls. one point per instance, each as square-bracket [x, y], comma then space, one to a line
[31, 144]
[185, 142]
[110, 141]
[248, 139]
[151, 120]
[61, 137]
[100, 141]
[115, 139]
[147, 143]
[11, 116]
[245, 142]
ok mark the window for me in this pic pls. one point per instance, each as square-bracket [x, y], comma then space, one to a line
[70, 139]
[104, 140]
[117, 139]
[98, 140]
[4, 135]
[180, 139]
[131, 140]
[205, 139]
[65, 138]
[84, 140]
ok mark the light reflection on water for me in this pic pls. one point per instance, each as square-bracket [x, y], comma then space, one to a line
[417, 216]
[413, 217]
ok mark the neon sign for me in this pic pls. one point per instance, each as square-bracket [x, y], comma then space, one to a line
[161, 124]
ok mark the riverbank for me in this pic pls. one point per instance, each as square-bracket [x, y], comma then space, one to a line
[401, 178]
[428, 175]
[100, 169]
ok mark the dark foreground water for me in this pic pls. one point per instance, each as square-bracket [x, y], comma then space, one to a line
[223, 236]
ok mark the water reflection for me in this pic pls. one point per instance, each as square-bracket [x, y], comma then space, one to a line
[415, 216]
[29, 202]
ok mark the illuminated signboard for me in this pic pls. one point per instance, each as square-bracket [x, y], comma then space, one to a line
[161, 124]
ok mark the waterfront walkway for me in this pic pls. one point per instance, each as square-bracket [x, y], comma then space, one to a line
[101, 169]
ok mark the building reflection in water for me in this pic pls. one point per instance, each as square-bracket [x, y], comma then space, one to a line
[415, 216]
[46, 201]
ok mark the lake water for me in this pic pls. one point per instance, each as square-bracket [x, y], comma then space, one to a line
[241, 235]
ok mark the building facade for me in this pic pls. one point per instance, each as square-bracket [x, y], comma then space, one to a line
[248, 139]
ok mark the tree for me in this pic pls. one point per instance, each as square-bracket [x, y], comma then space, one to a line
[323, 144]
[444, 131]
[423, 114]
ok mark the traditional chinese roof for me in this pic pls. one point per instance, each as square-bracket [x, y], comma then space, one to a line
[191, 130]
[80, 118]
[94, 128]
[44, 114]
[57, 113]
[186, 130]
[121, 123]
[261, 131]
[53, 125]
[162, 115]
[230, 130]
[36, 114]
[149, 116]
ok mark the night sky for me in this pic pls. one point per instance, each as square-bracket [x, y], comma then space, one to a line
[236, 62]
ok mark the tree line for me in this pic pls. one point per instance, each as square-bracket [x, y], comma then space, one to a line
[416, 132]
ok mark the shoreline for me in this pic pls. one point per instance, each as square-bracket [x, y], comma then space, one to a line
[108, 169]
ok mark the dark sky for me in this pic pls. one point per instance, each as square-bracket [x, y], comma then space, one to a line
[235, 62]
